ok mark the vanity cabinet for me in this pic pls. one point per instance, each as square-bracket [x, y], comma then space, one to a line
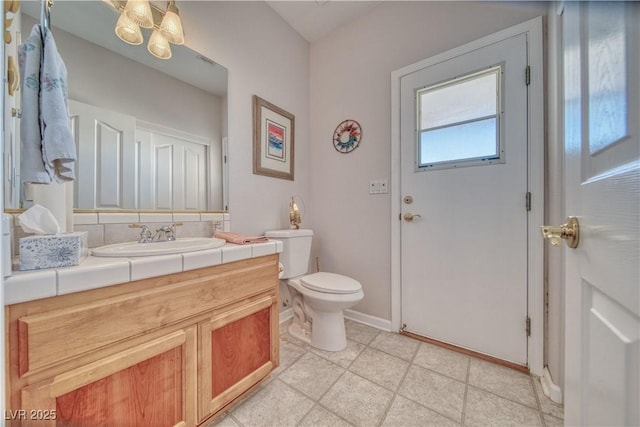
[166, 351]
[235, 352]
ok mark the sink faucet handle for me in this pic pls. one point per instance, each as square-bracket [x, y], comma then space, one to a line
[145, 233]
[172, 229]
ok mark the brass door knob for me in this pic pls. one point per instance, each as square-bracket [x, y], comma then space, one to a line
[409, 216]
[569, 232]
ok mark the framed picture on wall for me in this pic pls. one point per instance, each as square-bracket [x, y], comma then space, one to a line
[273, 140]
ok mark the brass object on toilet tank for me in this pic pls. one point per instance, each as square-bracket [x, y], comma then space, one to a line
[294, 215]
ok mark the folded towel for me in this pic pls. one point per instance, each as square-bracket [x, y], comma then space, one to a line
[239, 239]
[48, 146]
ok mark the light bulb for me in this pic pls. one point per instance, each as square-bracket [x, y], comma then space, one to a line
[128, 31]
[159, 46]
[139, 11]
[171, 26]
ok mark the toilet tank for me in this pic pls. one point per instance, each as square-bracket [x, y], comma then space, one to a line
[296, 249]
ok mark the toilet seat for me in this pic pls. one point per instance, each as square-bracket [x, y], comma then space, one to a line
[330, 283]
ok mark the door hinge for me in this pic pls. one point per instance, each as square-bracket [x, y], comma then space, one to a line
[527, 202]
[528, 326]
[527, 75]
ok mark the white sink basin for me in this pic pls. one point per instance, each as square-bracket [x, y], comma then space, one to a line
[178, 246]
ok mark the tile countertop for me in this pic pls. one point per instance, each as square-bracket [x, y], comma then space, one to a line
[98, 272]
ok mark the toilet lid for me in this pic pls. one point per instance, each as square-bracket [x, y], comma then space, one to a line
[331, 283]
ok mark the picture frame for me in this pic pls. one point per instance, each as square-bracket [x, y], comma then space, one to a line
[273, 140]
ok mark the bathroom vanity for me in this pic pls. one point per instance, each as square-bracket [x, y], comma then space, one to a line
[161, 351]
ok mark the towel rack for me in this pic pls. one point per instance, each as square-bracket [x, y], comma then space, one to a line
[45, 13]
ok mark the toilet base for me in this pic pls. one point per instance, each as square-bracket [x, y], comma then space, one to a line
[328, 334]
[328, 339]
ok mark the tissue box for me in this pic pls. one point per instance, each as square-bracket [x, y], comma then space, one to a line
[60, 250]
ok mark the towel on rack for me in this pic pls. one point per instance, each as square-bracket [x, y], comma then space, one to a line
[48, 146]
[239, 239]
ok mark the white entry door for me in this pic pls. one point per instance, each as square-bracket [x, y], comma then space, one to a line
[602, 178]
[464, 177]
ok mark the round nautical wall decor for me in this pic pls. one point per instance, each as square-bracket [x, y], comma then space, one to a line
[347, 136]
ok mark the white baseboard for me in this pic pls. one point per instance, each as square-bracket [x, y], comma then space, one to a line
[367, 319]
[286, 315]
[550, 389]
[356, 316]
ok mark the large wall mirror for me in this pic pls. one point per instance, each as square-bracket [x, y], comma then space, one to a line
[150, 133]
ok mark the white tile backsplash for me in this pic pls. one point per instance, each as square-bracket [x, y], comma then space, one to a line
[186, 217]
[85, 218]
[156, 217]
[212, 217]
[118, 233]
[95, 233]
[118, 218]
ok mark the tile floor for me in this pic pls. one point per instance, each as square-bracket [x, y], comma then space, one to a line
[386, 379]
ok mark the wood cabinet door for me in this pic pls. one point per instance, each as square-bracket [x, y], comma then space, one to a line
[151, 384]
[239, 347]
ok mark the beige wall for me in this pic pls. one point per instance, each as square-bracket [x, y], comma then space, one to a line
[266, 57]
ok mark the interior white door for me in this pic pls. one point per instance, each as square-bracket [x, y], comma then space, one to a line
[464, 259]
[105, 170]
[602, 177]
[173, 172]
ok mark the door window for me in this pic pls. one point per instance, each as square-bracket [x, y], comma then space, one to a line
[459, 122]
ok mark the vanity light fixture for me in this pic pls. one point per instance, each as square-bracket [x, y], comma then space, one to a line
[167, 26]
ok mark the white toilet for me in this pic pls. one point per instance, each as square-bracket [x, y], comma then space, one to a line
[318, 299]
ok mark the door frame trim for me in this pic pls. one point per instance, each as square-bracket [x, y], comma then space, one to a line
[533, 29]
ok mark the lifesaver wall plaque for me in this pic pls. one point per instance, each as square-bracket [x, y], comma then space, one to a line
[347, 136]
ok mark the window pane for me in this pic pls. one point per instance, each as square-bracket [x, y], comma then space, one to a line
[472, 140]
[462, 101]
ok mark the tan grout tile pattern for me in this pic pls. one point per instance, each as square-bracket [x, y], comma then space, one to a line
[385, 379]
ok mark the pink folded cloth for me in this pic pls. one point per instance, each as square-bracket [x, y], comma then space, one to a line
[239, 239]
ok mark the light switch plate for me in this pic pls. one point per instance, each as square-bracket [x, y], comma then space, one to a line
[378, 186]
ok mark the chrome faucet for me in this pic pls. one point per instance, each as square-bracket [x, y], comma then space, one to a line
[145, 233]
[166, 233]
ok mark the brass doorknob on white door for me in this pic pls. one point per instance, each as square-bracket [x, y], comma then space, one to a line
[569, 232]
[409, 216]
